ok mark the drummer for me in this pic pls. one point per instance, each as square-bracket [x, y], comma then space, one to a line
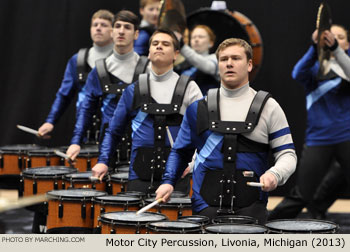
[79, 66]
[150, 114]
[237, 143]
[199, 64]
[120, 68]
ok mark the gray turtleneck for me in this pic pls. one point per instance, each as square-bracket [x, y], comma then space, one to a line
[162, 88]
[122, 65]
[340, 64]
[205, 62]
[98, 52]
[234, 106]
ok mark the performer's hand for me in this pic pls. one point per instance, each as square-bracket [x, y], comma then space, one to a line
[164, 191]
[269, 180]
[186, 171]
[99, 171]
[329, 38]
[73, 151]
[314, 36]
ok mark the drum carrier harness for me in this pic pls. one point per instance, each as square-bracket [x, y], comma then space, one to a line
[111, 84]
[163, 115]
[231, 181]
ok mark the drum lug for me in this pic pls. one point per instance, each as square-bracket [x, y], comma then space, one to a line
[92, 211]
[60, 210]
[63, 185]
[48, 163]
[62, 161]
[102, 210]
[93, 185]
[179, 212]
[88, 164]
[46, 208]
[21, 190]
[29, 162]
[35, 187]
[20, 164]
[112, 231]
[109, 188]
[1, 162]
[55, 185]
[83, 211]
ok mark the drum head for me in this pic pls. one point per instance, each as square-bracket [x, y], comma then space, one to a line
[140, 195]
[49, 171]
[227, 228]
[19, 148]
[91, 150]
[131, 218]
[118, 199]
[75, 194]
[302, 226]
[42, 152]
[175, 194]
[173, 202]
[238, 219]
[215, 20]
[174, 226]
[120, 177]
[123, 168]
[203, 220]
[81, 176]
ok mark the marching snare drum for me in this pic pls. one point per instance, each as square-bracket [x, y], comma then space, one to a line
[118, 182]
[127, 222]
[301, 226]
[13, 157]
[43, 179]
[174, 227]
[71, 211]
[112, 203]
[83, 180]
[174, 208]
[86, 159]
[230, 228]
[43, 157]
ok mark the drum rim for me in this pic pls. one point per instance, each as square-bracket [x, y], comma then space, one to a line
[198, 227]
[336, 226]
[50, 195]
[113, 178]
[236, 224]
[103, 219]
[69, 177]
[206, 219]
[25, 173]
[134, 201]
[4, 150]
[241, 217]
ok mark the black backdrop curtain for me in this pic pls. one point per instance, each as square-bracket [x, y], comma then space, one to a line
[39, 36]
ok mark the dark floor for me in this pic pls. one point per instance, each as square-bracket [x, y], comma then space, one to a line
[19, 221]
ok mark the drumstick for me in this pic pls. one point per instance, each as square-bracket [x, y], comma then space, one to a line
[144, 209]
[64, 155]
[255, 184]
[21, 202]
[28, 130]
[171, 141]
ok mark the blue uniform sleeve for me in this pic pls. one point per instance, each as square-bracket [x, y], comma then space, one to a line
[88, 106]
[66, 92]
[121, 117]
[183, 149]
[141, 45]
[304, 70]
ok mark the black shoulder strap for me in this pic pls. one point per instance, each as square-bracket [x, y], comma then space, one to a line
[81, 64]
[180, 89]
[144, 88]
[140, 67]
[257, 107]
[102, 73]
[213, 104]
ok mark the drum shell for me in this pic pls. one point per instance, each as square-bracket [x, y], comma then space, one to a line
[172, 211]
[110, 206]
[118, 182]
[13, 158]
[72, 212]
[84, 181]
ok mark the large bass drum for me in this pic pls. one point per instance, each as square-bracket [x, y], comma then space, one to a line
[227, 24]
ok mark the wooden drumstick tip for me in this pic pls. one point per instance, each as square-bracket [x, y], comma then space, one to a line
[255, 184]
[144, 209]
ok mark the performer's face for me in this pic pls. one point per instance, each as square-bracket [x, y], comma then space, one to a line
[234, 67]
[150, 13]
[124, 35]
[161, 51]
[341, 36]
[100, 31]
[200, 41]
